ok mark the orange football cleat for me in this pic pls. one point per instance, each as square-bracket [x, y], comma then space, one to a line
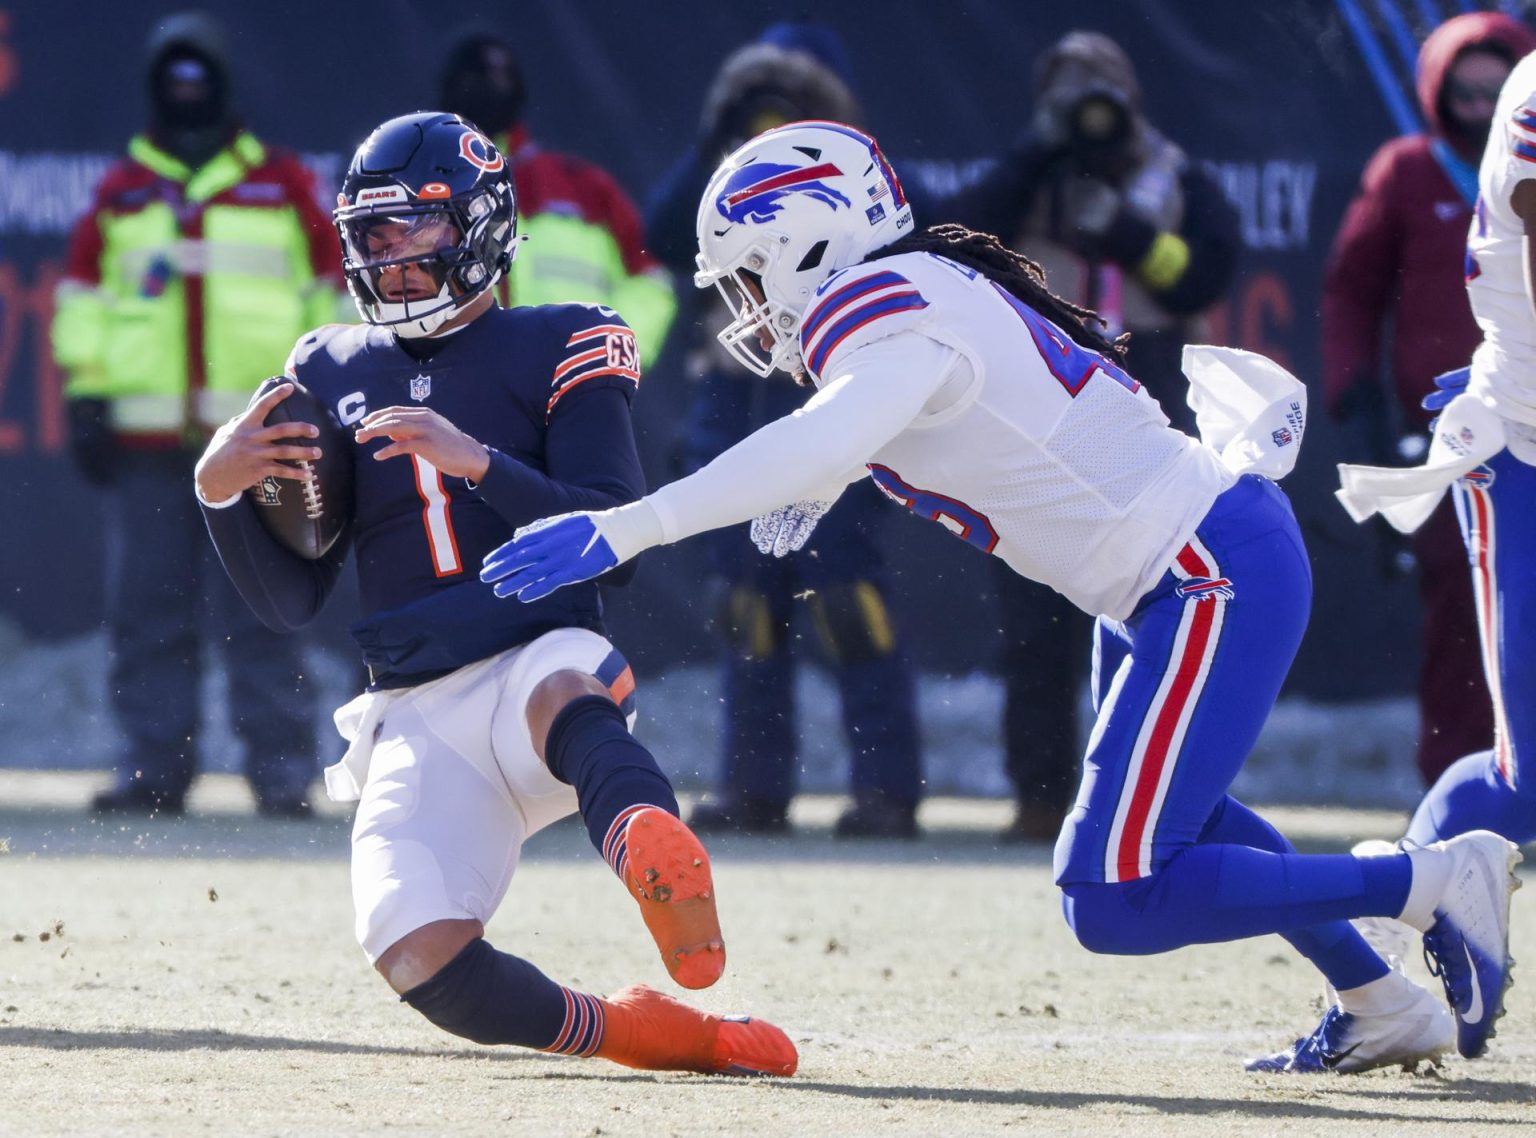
[668, 874]
[650, 1030]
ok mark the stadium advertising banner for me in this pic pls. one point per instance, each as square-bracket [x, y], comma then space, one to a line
[1283, 103]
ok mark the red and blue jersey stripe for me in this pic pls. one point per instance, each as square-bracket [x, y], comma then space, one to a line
[845, 310]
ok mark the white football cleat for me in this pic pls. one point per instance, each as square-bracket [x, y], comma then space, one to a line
[1347, 1042]
[1468, 945]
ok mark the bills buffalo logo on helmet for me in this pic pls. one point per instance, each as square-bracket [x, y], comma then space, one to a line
[756, 191]
[1206, 589]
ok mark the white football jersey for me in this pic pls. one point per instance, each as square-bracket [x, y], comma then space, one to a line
[1495, 244]
[1037, 450]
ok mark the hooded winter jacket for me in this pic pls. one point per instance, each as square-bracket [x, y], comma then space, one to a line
[1401, 246]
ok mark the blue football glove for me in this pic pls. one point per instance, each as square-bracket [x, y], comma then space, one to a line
[1447, 387]
[548, 555]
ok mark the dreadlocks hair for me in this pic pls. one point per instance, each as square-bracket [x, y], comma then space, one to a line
[1014, 272]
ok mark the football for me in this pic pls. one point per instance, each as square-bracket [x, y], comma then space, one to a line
[307, 517]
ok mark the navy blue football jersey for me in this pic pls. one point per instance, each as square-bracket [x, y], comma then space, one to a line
[547, 390]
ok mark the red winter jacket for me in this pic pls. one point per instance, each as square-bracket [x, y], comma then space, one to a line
[1399, 251]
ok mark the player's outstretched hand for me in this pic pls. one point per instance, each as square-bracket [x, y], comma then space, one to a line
[547, 555]
[242, 452]
[783, 531]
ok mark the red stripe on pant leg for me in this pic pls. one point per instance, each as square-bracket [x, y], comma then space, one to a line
[1192, 563]
[1128, 857]
[1489, 628]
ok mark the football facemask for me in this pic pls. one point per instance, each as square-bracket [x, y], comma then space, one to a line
[785, 211]
[428, 222]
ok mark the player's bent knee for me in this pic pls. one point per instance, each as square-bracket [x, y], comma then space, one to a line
[550, 696]
[1099, 915]
[422, 953]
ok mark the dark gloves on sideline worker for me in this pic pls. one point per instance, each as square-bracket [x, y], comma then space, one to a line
[1366, 422]
[92, 441]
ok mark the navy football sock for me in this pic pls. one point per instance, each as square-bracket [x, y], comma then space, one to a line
[590, 747]
[494, 997]
[1335, 947]
[1470, 795]
[1209, 893]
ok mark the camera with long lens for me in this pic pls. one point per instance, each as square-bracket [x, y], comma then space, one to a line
[1097, 119]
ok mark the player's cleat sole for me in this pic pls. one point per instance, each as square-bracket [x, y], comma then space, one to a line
[650, 1030]
[1346, 1043]
[670, 878]
[1468, 945]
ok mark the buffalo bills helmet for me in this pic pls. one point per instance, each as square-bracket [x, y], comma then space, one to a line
[426, 190]
[782, 213]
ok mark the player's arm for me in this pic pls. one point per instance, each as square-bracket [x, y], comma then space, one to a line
[879, 390]
[877, 393]
[285, 591]
[1523, 201]
[591, 458]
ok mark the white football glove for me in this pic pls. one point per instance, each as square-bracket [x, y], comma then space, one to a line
[786, 529]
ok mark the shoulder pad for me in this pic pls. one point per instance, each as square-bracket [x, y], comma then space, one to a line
[1522, 130]
[855, 307]
[328, 339]
[594, 343]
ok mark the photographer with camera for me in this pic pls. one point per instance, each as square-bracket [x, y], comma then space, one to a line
[1123, 223]
[838, 583]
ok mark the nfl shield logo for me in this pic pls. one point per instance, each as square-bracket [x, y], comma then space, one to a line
[421, 387]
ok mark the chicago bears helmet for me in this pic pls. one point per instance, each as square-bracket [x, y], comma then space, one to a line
[782, 213]
[426, 190]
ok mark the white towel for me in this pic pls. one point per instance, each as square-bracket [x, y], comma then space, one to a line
[1469, 433]
[1249, 409]
[358, 723]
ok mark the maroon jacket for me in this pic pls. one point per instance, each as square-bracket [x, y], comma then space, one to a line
[1400, 249]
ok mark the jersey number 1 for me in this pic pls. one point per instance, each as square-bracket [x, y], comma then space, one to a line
[434, 514]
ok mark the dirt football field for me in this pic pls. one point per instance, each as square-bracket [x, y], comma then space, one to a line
[199, 977]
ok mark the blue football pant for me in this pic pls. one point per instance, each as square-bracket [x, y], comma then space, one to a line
[1155, 854]
[1496, 789]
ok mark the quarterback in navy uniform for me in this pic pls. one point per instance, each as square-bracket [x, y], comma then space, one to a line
[483, 722]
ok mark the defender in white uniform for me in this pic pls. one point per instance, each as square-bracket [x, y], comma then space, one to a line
[948, 372]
